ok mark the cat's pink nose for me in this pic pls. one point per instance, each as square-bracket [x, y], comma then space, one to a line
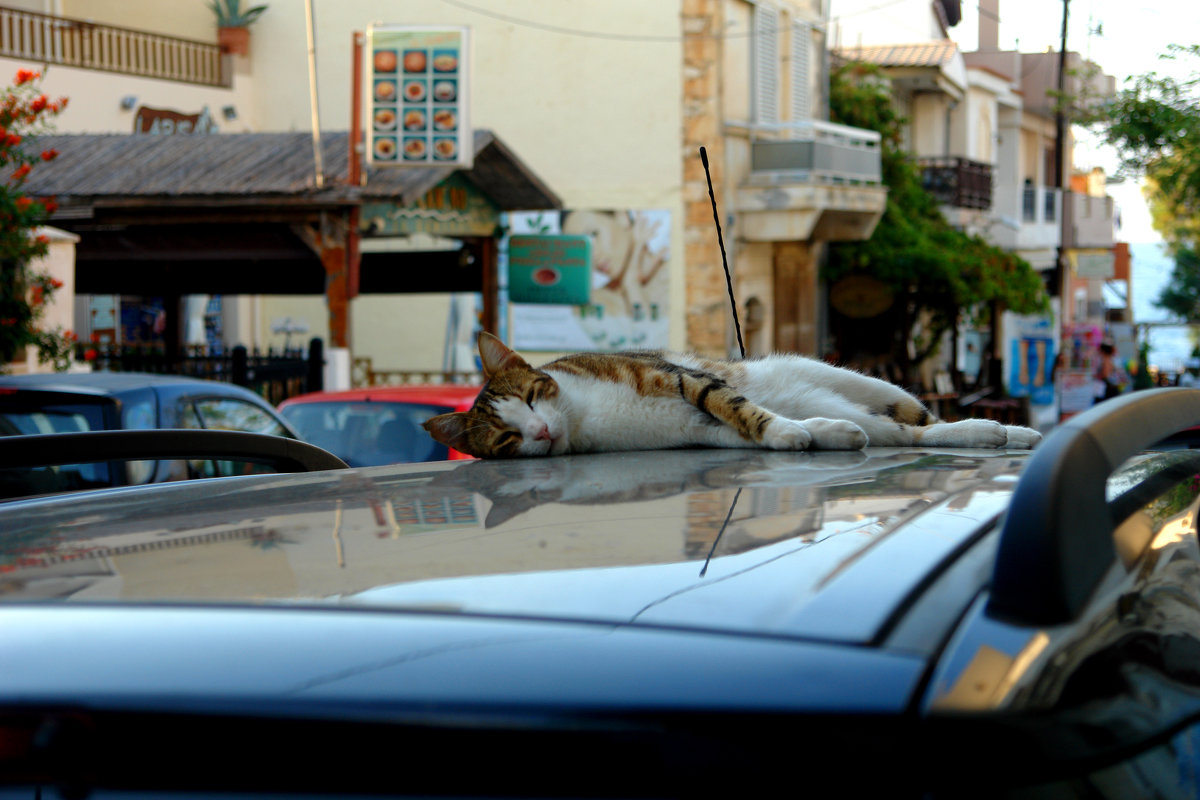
[544, 433]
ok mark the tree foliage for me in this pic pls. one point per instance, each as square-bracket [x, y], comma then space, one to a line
[936, 273]
[1154, 125]
[26, 290]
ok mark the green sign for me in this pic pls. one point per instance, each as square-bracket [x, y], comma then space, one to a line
[550, 269]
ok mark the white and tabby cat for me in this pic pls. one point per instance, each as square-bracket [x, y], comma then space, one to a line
[651, 400]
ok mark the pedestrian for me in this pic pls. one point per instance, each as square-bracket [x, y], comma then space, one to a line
[1110, 378]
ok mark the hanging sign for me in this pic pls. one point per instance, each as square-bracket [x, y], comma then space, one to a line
[550, 269]
[417, 110]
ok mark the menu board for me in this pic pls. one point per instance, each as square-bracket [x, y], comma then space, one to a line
[417, 96]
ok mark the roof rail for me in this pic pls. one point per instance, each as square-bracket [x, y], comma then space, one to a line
[1057, 537]
[279, 452]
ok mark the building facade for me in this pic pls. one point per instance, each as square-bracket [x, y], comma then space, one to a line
[602, 105]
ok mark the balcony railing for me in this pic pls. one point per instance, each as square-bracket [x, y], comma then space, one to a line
[958, 182]
[46, 39]
[814, 152]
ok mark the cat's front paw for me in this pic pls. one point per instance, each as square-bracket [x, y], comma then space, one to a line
[835, 434]
[786, 434]
[1022, 438]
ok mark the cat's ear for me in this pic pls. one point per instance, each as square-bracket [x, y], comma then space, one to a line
[495, 356]
[449, 429]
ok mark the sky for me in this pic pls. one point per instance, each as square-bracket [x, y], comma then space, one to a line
[1123, 38]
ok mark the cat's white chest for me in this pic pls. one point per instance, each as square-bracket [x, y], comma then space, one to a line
[604, 415]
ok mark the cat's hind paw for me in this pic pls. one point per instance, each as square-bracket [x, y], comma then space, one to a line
[1022, 438]
[835, 434]
[965, 433]
[786, 434]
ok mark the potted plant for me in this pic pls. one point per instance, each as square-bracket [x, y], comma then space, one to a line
[233, 31]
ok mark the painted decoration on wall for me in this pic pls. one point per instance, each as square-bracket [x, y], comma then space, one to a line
[416, 93]
[630, 284]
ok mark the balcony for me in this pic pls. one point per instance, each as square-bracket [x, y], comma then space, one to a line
[814, 152]
[958, 182]
[1088, 221]
[1028, 220]
[45, 39]
[808, 180]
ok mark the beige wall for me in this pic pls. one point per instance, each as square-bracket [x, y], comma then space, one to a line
[615, 146]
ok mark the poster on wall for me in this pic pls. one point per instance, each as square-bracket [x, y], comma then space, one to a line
[417, 92]
[1031, 361]
[627, 309]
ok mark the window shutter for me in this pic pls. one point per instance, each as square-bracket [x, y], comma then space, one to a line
[801, 74]
[766, 64]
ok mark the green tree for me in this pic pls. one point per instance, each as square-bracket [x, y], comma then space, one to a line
[935, 273]
[1154, 125]
[25, 290]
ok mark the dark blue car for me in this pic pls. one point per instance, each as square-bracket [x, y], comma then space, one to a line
[897, 622]
[99, 401]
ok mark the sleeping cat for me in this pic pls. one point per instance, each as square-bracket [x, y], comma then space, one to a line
[651, 400]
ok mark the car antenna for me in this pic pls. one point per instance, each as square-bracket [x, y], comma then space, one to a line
[724, 260]
[720, 533]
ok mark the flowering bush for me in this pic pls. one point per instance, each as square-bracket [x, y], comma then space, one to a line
[24, 290]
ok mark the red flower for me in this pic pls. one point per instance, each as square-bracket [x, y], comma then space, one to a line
[38, 297]
[20, 172]
[26, 75]
[38, 105]
[50, 204]
[12, 140]
[23, 203]
[42, 239]
[95, 338]
[57, 284]
[49, 155]
[90, 354]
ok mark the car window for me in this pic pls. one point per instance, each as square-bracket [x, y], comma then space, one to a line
[226, 414]
[231, 414]
[23, 415]
[138, 414]
[367, 433]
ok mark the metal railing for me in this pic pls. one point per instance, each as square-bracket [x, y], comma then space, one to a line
[958, 182]
[47, 39]
[275, 376]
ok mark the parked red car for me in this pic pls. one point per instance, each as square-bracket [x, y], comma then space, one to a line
[379, 425]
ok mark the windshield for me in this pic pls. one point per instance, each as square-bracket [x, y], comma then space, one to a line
[366, 433]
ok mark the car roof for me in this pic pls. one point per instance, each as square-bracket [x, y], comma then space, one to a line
[107, 382]
[818, 546]
[435, 394]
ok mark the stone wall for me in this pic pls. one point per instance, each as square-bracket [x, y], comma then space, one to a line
[704, 278]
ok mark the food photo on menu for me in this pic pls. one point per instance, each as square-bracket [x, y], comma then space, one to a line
[414, 61]
[445, 119]
[414, 119]
[445, 90]
[445, 148]
[385, 90]
[414, 148]
[385, 148]
[414, 90]
[445, 60]
[385, 119]
[385, 60]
